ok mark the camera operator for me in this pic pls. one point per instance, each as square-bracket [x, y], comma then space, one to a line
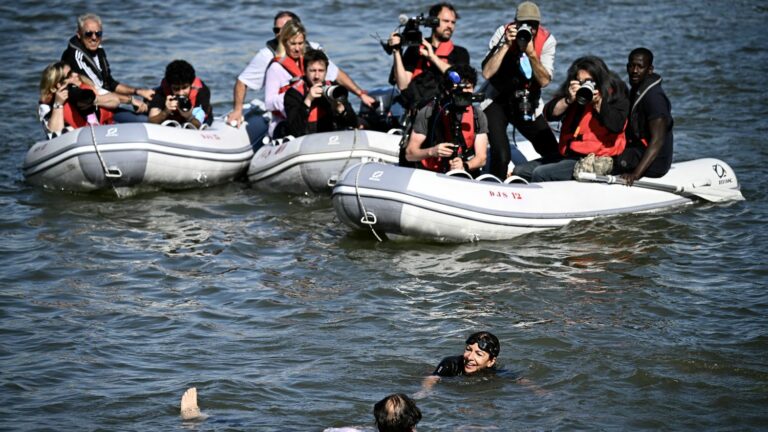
[314, 104]
[182, 97]
[418, 71]
[519, 64]
[592, 104]
[451, 134]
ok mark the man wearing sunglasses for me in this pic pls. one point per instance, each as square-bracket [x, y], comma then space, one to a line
[253, 74]
[85, 55]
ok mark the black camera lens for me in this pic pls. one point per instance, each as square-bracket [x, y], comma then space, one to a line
[184, 103]
[524, 35]
[585, 93]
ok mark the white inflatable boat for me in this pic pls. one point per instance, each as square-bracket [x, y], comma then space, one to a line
[313, 163]
[388, 199]
[131, 157]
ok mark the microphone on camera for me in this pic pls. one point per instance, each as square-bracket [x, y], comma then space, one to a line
[403, 18]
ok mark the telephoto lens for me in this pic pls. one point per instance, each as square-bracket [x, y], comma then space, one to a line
[585, 93]
[335, 93]
[524, 35]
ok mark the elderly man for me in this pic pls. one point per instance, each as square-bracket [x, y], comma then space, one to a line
[430, 59]
[85, 55]
[519, 64]
[253, 74]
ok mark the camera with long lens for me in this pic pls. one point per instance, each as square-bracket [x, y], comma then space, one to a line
[335, 93]
[524, 104]
[82, 99]
[524, 35]
[585, 93]
[411, 34]
[461, 99]
[184, 103]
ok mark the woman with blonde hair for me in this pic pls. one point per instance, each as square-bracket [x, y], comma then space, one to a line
[66, 99]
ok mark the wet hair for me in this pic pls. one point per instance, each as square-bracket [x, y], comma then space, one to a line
[179, 72]
[87, 17]
[607, 82]
[289, 31]
[486, 341]
[436, 8]
[52, 75]
[465, 71]
[287, 13]
[313, 55]
[396, 413]
[645, 52]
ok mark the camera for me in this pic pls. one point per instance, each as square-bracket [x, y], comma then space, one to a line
[184, 103]
[524, 35]
[524, 104]
[411, 34]
[462, 99]
[585, 93]
[335, 93]
[82, 99]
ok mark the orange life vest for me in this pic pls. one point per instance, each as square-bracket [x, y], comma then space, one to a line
[296, 69]
[467, 130]
[590, 136]
[443, 51]
[72, 116]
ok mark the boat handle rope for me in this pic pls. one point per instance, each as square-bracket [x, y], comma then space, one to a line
[369, 218]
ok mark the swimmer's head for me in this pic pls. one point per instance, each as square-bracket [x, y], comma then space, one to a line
[396, 413]
[481, 352]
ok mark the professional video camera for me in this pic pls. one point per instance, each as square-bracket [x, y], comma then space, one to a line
[459, 98]
[410, 34]
[335, 93]
[184, 103]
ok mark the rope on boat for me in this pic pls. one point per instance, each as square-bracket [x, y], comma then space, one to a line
[369, 218]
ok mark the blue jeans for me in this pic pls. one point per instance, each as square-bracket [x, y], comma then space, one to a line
[541, 170]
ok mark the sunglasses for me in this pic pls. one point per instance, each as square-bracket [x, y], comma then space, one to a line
[90, 34]
[275, 30]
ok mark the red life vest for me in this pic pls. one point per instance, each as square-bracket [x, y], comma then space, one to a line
[467, 130]
[296, 69]
[72, 116]
[443, 51]
[315, 112]
[590, 136]
[538, 42]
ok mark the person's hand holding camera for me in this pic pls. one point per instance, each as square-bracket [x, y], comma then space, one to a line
[61, 95]
[442, 150]
[510, 34]
[426, 50]
[314, 92]
[394, 41]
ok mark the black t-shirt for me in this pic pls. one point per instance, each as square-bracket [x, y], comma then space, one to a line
[411, 57]
[203, 100]
[653, 105]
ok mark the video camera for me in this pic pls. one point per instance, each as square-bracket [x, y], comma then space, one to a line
[411, 35]
[459, 98]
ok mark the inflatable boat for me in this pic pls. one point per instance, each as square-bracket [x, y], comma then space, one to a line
[390, 200]
[312, 163]
[132, 157]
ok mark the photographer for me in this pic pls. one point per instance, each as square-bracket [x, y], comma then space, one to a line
[182, 97]
[592, 104]
[451, 134]
[66, 101]
[519, 64]
[314, 104]
[418, 70]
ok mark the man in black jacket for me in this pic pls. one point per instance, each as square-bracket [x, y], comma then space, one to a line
[314, 104]
[86, 56]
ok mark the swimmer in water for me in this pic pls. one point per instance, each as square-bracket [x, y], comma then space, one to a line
[481, 352]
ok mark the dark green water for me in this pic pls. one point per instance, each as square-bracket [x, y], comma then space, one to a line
[284, 320]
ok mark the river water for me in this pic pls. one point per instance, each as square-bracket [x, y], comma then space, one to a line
[284, 320]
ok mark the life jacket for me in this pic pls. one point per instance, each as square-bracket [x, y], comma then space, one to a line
[316, 112]
[72, 116]
[443, 51]
[637, 131]
[296, 69]
[468, 128]
[589, 136]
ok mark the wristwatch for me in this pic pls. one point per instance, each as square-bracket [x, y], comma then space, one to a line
[57, 105]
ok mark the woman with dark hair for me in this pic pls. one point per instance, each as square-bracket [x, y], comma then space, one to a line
[592, 106]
